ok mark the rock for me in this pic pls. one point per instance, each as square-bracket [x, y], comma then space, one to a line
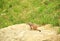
[22, 32]
[47, 27]
[17, 27]
[57, 29]
[8, 33]
[38, 36]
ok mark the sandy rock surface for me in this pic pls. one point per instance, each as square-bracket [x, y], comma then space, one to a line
[22, 32]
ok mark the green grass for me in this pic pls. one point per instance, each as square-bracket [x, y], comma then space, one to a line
[35, 11]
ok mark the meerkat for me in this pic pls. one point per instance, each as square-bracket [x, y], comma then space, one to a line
[34, 26]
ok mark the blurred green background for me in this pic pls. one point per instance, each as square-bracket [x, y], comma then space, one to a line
[35, 11]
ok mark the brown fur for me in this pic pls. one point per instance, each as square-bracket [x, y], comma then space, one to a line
[33, 26]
